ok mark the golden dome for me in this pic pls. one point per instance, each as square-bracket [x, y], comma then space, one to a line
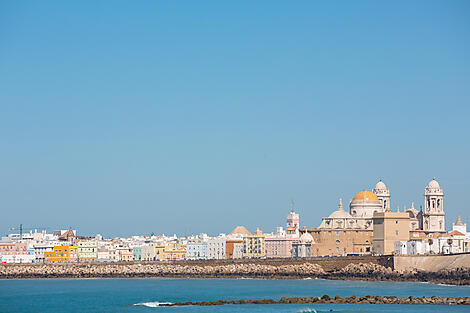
[365, 196]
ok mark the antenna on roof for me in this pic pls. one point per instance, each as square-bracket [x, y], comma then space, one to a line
[292, 204]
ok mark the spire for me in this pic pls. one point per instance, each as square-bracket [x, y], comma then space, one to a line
[459, 222]
[412, 205]
[340, 205]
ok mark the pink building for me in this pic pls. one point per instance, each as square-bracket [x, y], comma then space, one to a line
[13, 248]
[279, 247]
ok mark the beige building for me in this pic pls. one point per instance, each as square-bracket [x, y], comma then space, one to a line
[254, 245]
[389, 227]
[344, 233]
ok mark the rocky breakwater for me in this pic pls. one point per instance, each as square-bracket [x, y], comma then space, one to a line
[367, 271]
[337, 299]
[228, 270]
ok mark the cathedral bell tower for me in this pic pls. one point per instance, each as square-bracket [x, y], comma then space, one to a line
[433, 215]
[382, 192]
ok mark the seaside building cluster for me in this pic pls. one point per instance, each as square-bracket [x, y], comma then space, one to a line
[369, 228]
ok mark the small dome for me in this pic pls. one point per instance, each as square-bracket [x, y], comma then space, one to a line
[240, 230]
[433, 184]
[365, 196]
[340, 214]
[380, 186]
[306, 238]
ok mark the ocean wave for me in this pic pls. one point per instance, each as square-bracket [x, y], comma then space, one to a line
[154, 304]
[308, 311]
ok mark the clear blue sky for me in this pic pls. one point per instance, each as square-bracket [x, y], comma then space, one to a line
[124, 117]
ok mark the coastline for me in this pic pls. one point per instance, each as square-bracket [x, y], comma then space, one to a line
[247, 269]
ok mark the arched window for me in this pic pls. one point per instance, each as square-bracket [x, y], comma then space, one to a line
[440, 224]
[438, 203]
[433, 204]
[385, 204]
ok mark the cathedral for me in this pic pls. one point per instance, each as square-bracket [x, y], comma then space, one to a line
[351, 232]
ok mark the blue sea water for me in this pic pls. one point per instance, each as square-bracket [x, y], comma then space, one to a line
[143, 295]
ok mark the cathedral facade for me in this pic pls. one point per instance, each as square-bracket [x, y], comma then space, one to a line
[351, 232]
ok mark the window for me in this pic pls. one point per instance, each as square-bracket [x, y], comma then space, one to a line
[396, 233]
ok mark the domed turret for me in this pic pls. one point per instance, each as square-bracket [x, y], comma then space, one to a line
[306, 238]
[434, 216]
[382, 192]
[433, 184]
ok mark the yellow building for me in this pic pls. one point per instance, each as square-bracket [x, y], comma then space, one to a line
[62, 254]
[254, 246]
[170, 252]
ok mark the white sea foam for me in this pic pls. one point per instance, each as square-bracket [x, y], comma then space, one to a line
[308, 311]
[152, 304]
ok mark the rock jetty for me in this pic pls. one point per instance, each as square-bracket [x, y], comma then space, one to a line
[337, 299]
[245, 269]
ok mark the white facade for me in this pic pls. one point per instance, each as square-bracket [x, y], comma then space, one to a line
[148, 252]
[19, 258]
[400, 247]
[216, 248]
[433, 216]
[461, 227]
[382, 192]
[40, 249]
[237, 250]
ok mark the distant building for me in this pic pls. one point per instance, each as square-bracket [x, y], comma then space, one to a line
[170, 252]
[13, 248]
[62, 254]
[149, 252]
[234, 249]
[196, 250]
[389, 227]
[303, 247]
[254, 245]
[216, 248]
[87, 251]
[433, 216]
[278, 247]
[293, 224]
[137, 252]
[40, 249]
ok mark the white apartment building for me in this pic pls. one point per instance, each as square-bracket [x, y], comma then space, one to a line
[216, 248]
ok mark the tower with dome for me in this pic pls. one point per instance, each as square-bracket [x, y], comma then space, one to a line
[433, 216]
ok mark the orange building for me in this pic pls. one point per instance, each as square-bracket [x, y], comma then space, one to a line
[62, 254]
[234, 248]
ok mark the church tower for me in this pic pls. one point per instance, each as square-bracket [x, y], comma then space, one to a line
[433, 215]
[383, 194]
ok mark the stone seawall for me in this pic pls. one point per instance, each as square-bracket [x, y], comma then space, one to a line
[431, 263]
[347, 268]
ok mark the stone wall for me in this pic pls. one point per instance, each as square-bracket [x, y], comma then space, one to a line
[431, 263]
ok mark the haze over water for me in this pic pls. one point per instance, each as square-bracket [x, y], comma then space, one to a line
[143, 295]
